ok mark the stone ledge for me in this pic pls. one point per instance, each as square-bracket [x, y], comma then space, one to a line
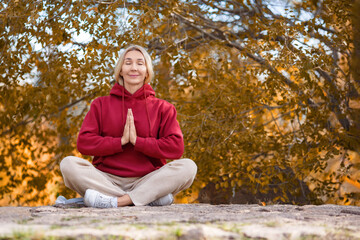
[182, 221]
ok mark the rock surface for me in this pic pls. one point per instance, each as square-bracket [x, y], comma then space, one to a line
[181, 221]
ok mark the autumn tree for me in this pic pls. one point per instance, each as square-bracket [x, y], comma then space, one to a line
[267, 93]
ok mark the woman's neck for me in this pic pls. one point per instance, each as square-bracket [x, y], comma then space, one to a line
[132, 88]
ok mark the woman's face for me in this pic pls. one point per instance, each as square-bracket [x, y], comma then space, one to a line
[133, 69]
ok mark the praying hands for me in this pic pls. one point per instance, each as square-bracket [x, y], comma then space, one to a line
[129, 134]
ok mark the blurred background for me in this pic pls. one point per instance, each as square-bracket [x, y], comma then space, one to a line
[267, 92]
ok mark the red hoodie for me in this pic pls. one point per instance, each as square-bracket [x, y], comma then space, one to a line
[158, 133]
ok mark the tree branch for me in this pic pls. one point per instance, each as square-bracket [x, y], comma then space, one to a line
[60, 109]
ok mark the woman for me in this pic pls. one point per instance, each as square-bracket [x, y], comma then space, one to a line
[130, 133]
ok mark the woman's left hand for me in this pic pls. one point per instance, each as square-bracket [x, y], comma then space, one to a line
[132, 128]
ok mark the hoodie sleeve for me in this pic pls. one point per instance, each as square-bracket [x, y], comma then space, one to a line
[170, 144]
[89, 141]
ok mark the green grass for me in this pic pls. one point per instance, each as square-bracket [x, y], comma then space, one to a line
[25, 221]
[272, 224]
[71, 218]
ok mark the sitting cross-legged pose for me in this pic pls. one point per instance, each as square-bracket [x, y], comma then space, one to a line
[130, 133]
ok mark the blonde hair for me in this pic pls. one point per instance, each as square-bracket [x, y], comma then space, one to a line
[120, 62]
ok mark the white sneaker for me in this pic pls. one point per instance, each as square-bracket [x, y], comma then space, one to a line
[163, 201]
[60, 200]
[95, 199]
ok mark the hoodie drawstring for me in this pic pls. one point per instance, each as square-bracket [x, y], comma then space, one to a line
[123, 103]
[147, 112]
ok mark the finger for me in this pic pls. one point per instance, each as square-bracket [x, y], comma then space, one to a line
[131, 117]
[128, 116]
[132, 123]
[127, 121]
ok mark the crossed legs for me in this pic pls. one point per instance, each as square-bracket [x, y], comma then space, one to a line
[80, 175]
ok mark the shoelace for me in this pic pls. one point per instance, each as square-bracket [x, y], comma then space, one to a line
[102, 201]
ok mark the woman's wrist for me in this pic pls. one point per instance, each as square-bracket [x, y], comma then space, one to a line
[133, 142]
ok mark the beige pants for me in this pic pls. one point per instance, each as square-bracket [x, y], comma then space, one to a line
[80, 175]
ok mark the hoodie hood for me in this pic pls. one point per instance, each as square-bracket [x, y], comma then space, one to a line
[141, 94]
[144, 92]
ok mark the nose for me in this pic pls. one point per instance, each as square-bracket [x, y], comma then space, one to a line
[133, 67]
